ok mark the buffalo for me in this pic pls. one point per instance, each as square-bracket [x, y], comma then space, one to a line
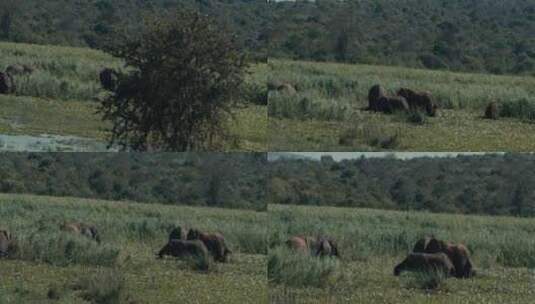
[491, 112]
[109, 79]
[419, 101]
[182, 248]
[6, 243]
[7, 84]
[374, 94]
[214, 242]
[89, 231]
[457, 253]
[426, 262]
[320, 246]
[389, 105]
[178, 233]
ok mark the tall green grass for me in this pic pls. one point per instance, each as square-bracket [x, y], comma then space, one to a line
[334, 88]
[362, 234]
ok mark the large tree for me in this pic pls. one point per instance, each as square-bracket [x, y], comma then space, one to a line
[183, 74]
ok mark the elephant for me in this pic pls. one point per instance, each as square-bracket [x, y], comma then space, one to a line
[457, 253]
[419, 101]
[178, 233]
[214, 242]
[183, 248]
[374, 94]
[426, 262]
[89, 231]
[491, 112]
[108, 79]
[6, 243]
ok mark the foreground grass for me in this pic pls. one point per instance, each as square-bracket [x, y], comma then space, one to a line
[138, 231]
[372, 242]
[327, 112]
[61, 97]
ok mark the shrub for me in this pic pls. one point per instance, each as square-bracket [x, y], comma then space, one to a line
[105, 287]
[185, 74]
[62, 249]
[297, 270]
[521, 108]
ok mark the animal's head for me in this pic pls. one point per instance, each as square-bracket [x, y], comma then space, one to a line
[193, 234]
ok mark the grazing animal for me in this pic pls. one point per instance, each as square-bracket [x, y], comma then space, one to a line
[491, 112]
[457, 253]
[183, 248]
[6, 242]
[299, 244]
[375, 93]
[108, 79]
[326, 247]
[287, 89]
[7, 85]
[214, 242]
[178, 233]
[419, 101]
[426, 262]
[89, 231]
[390, 105]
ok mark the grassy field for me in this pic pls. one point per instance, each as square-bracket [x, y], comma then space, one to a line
[124, 266]
[61, 96]
[327, 113]
[372, 242]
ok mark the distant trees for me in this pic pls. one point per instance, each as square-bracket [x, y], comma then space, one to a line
[490, 184]
[184, 74]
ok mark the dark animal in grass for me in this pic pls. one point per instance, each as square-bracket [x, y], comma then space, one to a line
[374, 94]
[287, 89]
[326, 247]
[215, 242]
[491, 112]
[183, 248]
[89, 231]
[274, 85]
[6, 243]
[18, 69]
[7, 85]
[389, 105]
[457, 253]
[178, 233]
[419, 101]
[426, 262]
[109, 79]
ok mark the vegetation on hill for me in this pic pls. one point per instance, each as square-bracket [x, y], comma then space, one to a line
[56, 266]
[218, 180]
[372, 242]
[485, 184]
[483, 36]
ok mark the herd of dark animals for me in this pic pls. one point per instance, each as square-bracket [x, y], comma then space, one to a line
[405, 100]
[428, 255]
[182, 243]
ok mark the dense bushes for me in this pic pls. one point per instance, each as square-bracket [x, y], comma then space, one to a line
[217, 180]
[490, 184]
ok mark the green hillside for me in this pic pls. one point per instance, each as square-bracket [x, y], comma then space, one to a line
[372, 242]
[326, 113]
[61, 97]
[125, 262]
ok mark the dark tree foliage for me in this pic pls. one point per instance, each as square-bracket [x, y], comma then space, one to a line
[490, 184]
[184, 72]
[167, 178]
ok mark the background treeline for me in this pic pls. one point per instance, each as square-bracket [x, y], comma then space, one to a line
[236, 180]
[486, 184]
[485, 36]
[89, 22]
